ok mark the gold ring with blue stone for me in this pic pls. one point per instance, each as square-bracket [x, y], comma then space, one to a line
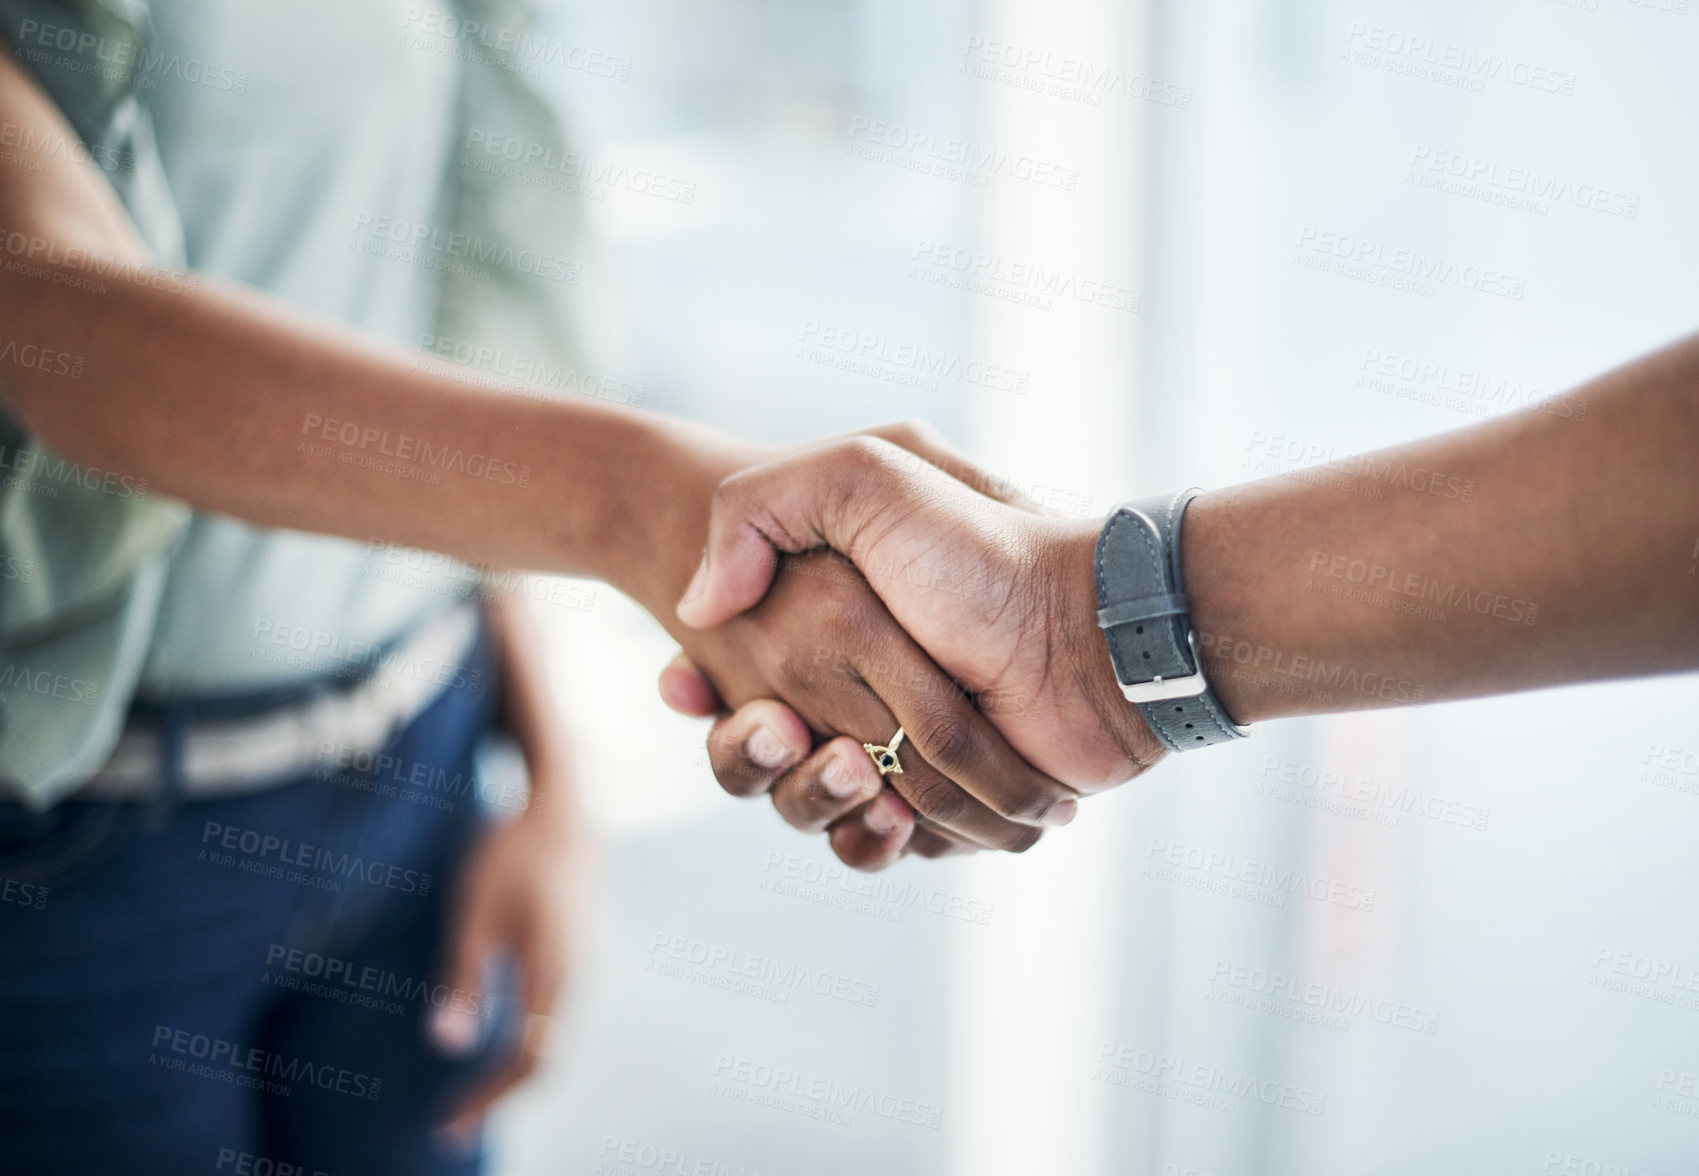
[885, 758]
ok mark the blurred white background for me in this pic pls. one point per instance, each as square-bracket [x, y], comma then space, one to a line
[1517, 999]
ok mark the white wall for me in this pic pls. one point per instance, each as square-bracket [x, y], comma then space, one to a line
[1266, 123]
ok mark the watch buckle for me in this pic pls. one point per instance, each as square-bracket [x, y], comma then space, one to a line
[1160, 689]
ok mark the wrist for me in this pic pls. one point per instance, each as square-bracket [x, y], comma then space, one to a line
[1216, 590]
[1146, 618]
[1118, 721]
[653, 544]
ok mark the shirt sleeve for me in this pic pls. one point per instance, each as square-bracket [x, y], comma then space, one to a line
[83, 551]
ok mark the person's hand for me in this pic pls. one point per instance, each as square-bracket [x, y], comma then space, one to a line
[521, 896]
[518, 900]
[1002, 599]
[848, 674]
[764, 747]
[825, 645]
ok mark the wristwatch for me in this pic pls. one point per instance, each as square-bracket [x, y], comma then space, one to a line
[1146, 619]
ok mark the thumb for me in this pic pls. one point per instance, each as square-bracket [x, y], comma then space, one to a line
[737, 567]
[812, 500]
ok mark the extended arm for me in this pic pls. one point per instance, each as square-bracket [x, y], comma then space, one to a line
[1527, 551]
[1540, 548]
[227, 399]
[231, 401]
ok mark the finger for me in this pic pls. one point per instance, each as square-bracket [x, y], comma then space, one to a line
[463, 1124]
[929, 793]
[867, 677]
[837, 779]
[873, 836]
[974, 765]
[542, 975]
[687, 690]
[755, 745]
[454, 1027]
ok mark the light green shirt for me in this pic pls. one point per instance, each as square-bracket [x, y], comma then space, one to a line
[259, 143]
[339, 122]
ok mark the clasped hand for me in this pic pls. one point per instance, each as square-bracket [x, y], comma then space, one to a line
[871, 589]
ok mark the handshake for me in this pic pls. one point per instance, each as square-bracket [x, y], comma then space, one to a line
[908, 663]
[898, 659]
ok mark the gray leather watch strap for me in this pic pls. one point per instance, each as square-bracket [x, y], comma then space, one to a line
[1146, 620]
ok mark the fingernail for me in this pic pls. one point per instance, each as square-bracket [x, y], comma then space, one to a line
[839, 777]
[765, 748]
[880, 820]
[697, 582]
[1062, 812]
[455, 1031]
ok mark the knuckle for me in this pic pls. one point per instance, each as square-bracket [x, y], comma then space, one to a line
[939, 800]
[921, 435]
[801, 670]
[865, 454]
[799, 804]
[908, 433]
[729, 492]
[792, 668]
[948, 741]
[739, 499]
[736, 773]
[903, 433]
[1027, 802]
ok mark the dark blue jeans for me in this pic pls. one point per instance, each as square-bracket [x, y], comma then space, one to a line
[241, 985]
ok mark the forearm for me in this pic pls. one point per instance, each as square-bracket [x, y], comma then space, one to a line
[235, 404]
[1555, 550]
